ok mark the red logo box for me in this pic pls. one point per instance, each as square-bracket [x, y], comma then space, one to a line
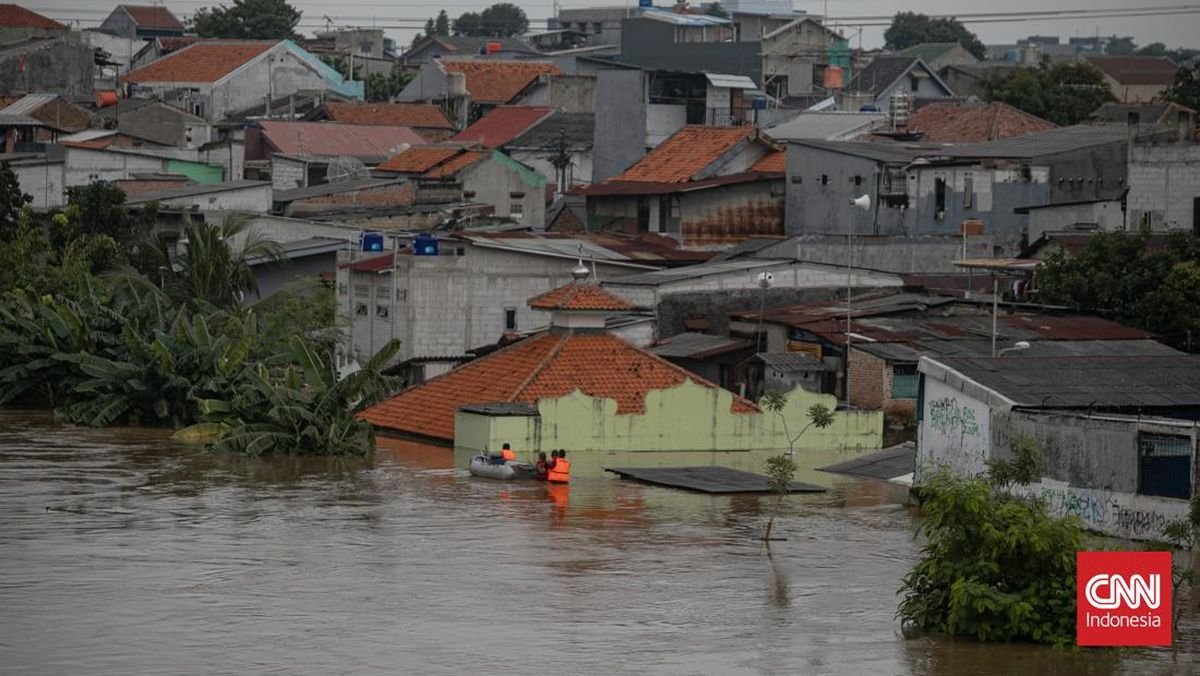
[1123, 598]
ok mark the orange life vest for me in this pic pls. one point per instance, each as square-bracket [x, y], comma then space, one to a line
[560, 472]
[507, 454]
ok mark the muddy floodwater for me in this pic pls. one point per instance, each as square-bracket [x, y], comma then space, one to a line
[124, 553]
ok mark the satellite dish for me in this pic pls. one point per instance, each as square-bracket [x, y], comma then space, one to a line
[344, 169]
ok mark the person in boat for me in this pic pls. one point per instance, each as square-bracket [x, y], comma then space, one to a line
[507, 454]
[550, 463]
[561, 471]
[539, 470]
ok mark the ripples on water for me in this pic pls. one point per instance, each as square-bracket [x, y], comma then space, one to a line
[121, 552]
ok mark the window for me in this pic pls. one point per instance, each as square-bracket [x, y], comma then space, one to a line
[360, 309]
[1165, 465]
[968, 191]
[939, 198]
[904, 381]
[598, 27]
[382, 292]
[516, 208]
[362, 290]
[824, 179]
[510, 319]
[341, 289]
[381, 311]
[797, 179]
[857, 180]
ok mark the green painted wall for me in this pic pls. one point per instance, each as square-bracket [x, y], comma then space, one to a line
[197, 171]
[686, 425]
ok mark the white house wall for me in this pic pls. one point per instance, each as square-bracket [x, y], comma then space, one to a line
[43, 182]
[955, 431]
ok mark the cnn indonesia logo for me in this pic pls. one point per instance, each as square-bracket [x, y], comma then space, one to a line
[1123, 598]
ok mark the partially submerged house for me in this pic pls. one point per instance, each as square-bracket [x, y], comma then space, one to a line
[1120, 458]
[707, 186]
[574, 385]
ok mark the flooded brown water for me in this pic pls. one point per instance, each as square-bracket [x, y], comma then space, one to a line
[121, 552]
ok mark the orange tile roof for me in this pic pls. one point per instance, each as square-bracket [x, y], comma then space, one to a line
[456, 164]
[685, 154]
[416, 115]
[543, 366]
[418, 160]
[201, 62]
[502, 125]
[973, 123]
[580, 296]
[16, 16]
[774, 161]
[1137, 70]
[498, 81]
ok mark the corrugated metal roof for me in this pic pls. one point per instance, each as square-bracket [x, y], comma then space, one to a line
[889, 153]
[1061, 140]
[696, 346]
[27, 104]
[730, 81]
[825, 126]
[660, 277]
[193, 190]
[684, 19]
[334, 188]
[1086, 382]
[791, 362]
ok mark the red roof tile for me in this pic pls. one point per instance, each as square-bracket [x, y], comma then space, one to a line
[1137, 70]
[330, 138]
[543, 366]
[973, 123]
[502, 125]
[201, 62]
[174, 44]
[580, 296]
[16, 16]
[373, 264]
[156, 16]
[498, 81]
[685, 154]
[416, 115]
[773, 162]
[419, 160]
[456, 164]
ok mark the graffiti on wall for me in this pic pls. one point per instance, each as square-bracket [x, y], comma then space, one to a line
[948, 417]
[1110, 513]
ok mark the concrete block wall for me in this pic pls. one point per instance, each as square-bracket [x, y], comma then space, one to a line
[1164, 182]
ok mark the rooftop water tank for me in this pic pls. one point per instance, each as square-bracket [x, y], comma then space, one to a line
[372, 242]
[425, 245]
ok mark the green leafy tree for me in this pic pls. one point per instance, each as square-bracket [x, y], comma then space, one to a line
[214, 269]
[1063, 93]
[307, 308]
[248, 20]
[441, 26]
[715, 9]
[1153, 49]
[994, 567]
[781, 469]
[1123, 46]
[1118, 276]
[910, 28]
[501, 20]
[12, 201]
[1186, 89]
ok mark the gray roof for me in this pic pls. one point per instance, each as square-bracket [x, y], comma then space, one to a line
[886, 464]
[334, 188]
[1083, 382]
[881, 73]
[545, 134]
[746, 247]
[301, 248]
[696, 346]
[912, 351]
[468, 45]
[671, 275]
[825, 126]
[889, 153]
[792, 362]
[193, 190]
[1052, 142]
[503, 408]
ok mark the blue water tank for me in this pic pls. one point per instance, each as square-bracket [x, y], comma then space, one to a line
[759, 103]
[372, 242]
[425, 245]
[645, 3]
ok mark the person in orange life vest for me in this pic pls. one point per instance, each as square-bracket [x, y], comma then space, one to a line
[539, 470]
[506, 453]
[560, 473]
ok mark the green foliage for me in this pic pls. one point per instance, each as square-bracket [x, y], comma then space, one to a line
[910, 28]
[1024, 468]
[781, 469]
[501, 20]
[994, 567]
[1186, 89]
[1064, 93]
[377, 87]
[1119, 277]
[306, 409]
[715, 9]
[248, 20]
[12, 201]
[1120, 46]
[305, 308]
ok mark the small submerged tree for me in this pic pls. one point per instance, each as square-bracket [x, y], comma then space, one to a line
[995, 566]
[781, 469]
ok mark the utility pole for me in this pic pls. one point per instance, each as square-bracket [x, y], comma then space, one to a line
[561, 159]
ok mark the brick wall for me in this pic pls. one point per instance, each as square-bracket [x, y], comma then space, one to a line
[868, 374]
